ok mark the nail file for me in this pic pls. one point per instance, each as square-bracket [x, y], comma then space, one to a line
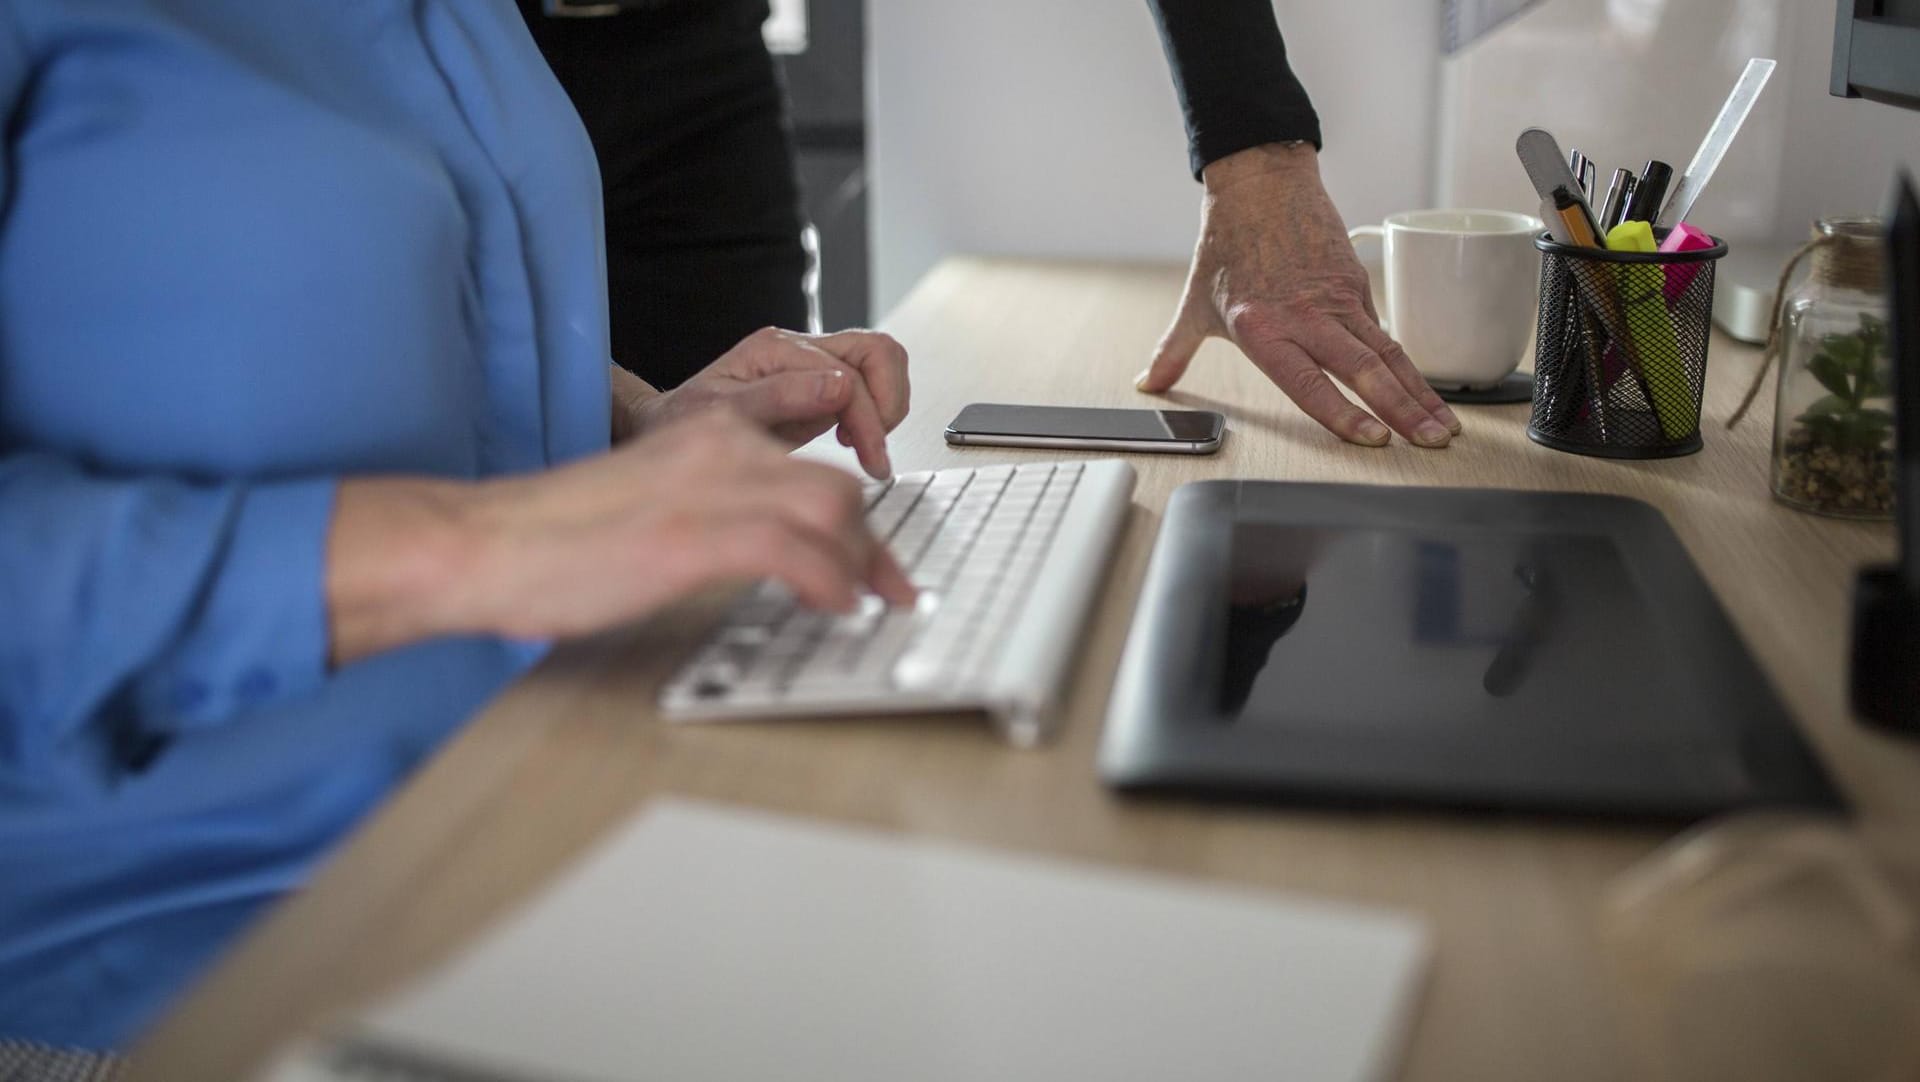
[1568, 217]
[1719, 137]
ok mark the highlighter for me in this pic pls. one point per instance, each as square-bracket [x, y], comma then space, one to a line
[1643, 296]
[1684, 238]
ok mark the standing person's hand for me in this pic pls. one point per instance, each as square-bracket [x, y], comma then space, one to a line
[599, 542]
[796, 386]
[1274, 273]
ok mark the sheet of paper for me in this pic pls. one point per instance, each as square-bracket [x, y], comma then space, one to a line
[707, 943]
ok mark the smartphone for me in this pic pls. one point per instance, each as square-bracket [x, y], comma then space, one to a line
[1180, 432]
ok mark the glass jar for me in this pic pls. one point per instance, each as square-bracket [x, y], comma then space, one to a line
[1833, 419]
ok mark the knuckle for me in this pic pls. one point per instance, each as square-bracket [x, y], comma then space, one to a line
[1257, 322]
[1366, 372]
[1300, 382]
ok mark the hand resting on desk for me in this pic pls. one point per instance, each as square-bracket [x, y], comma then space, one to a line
[1275, 274]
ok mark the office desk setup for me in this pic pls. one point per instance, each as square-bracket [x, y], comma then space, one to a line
[1519, 986]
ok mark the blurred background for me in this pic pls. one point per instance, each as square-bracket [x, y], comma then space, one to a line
[1050, 127]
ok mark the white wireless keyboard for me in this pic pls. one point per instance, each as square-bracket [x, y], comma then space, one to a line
[1007, 560]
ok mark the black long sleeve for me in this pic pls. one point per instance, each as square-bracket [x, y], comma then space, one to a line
[1230, 68]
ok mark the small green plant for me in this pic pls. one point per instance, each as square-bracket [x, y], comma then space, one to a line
[1850, 366]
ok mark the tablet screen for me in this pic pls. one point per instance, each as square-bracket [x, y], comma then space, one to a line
[1381, 628]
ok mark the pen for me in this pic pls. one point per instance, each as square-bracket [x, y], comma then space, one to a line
[1583, 169]
[1649, 192]
[1619, 190]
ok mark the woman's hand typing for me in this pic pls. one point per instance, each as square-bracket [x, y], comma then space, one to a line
[704, 500]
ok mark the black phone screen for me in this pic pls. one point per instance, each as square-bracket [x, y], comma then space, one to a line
[1073, 422]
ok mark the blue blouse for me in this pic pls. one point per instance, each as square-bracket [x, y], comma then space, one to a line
[248, 248]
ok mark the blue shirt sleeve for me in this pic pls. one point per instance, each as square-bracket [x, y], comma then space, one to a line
[147, 605]
[152, 604]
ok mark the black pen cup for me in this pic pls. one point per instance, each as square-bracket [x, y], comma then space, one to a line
[1620, 361]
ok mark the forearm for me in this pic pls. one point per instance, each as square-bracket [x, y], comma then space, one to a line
[400, 552]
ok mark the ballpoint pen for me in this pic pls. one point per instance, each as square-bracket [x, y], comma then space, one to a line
[1582, 168]
[1614, 208]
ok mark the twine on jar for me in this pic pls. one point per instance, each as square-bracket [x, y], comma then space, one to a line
[1840, 259]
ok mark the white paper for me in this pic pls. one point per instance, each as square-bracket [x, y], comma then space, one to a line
[706, 943]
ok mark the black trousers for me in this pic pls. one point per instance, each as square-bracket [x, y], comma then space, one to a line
[687, 116]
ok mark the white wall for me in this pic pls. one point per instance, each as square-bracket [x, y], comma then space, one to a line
[1802, 153]
[1050, 127]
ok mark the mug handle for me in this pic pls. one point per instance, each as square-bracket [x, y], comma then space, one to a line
[1379, 233]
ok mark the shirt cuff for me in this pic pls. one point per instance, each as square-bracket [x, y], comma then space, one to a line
[259, 634]
[1211, 142]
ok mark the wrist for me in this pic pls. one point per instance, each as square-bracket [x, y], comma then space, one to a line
[401, 553]
[1289, 161]
[631, 398]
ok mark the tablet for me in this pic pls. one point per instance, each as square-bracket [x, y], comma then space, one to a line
[1536, 652]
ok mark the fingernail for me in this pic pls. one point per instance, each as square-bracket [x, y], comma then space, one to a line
[1450, 419]
[1432, 433]
[1140, 381]
[1373, 432]
[826, 387]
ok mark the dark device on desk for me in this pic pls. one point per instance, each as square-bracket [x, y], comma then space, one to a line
[1189, 432]
[1886, 600]
[1517, 651]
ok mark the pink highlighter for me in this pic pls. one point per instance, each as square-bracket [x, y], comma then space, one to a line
[1683, 238]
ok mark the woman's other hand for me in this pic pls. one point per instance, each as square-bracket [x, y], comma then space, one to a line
[797, 386]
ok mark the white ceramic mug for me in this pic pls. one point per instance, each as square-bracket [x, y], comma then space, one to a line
[1460, 291]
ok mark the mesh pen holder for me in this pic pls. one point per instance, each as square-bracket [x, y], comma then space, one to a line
[1620, 362]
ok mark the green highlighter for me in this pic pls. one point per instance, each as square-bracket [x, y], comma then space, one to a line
[1643, 298]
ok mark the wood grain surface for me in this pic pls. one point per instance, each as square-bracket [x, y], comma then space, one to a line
[1520, 987]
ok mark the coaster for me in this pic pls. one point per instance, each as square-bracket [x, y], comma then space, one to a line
[1517, 387]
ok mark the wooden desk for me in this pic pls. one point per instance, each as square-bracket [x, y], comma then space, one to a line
[1519, 989]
